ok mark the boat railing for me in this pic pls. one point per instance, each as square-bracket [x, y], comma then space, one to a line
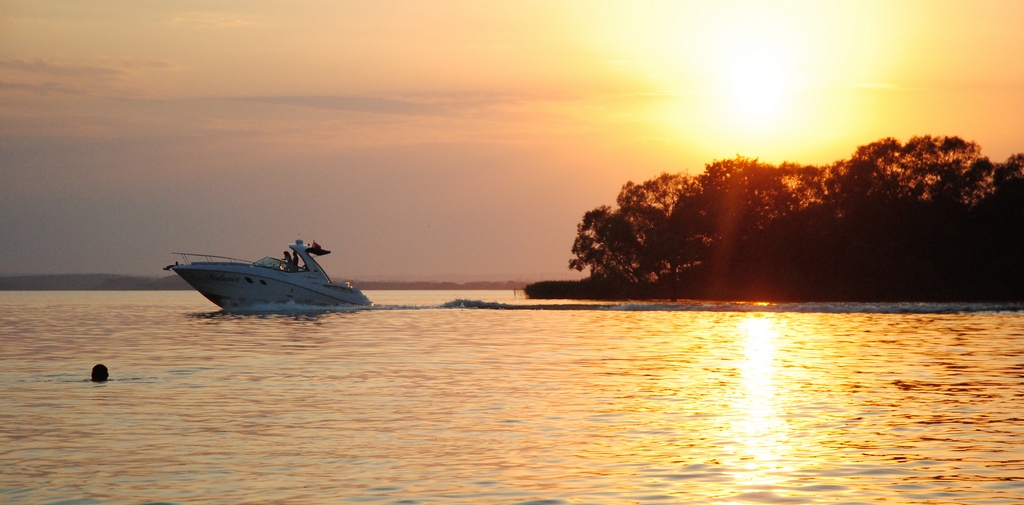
[190, 258]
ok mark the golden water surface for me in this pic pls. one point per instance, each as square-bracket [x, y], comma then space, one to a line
[412, 403]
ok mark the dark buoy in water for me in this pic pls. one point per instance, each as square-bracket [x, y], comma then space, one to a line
[99, 373]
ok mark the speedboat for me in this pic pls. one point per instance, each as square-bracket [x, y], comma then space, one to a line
[234, 283]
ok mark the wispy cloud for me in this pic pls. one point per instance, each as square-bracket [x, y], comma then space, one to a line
[139, 65]
[357, 104]
[45, 88]
[43, 76]
[214, 20]
[433, 105]
[41, 66]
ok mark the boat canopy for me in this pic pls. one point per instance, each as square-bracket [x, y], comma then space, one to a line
[307, 252]
[272, 263]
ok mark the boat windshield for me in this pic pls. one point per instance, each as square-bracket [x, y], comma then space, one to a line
[272, 263]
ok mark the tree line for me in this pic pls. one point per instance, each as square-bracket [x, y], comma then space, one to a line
[931, 219]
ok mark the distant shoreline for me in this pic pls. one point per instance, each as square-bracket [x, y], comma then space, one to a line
[112, 282]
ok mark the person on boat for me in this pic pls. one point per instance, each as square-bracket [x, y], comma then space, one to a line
[295, 262]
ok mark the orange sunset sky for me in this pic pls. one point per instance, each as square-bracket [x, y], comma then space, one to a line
[446, 140]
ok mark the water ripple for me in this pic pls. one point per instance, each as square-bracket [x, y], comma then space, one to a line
[434, 405]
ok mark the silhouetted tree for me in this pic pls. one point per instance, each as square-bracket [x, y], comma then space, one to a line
[626, 244]
[928, 219]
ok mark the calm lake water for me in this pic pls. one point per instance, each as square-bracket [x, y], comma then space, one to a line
[419, 401]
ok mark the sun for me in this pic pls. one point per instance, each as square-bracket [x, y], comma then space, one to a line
[753, 58]
[755, 91]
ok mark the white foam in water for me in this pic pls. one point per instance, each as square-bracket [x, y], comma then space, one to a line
[686, 306]
[810, 307]
[823, 307]
[460, 303]
[296, 308]
[289, 307]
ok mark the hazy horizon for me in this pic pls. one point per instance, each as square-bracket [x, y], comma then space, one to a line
[456, 139]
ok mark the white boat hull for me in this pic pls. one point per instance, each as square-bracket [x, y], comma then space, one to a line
[240, 286]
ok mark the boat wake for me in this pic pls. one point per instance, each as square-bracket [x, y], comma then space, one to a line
[700, 306]
[289, 308]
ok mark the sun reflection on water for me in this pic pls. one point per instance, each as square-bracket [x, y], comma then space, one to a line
[759, 431]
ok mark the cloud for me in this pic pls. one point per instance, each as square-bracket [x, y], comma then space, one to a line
[47, 87]
[214, 20]
[356, 104]
[434, 105]
[135, 65]
[107, 67]
[42, 76]
[39, 66]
